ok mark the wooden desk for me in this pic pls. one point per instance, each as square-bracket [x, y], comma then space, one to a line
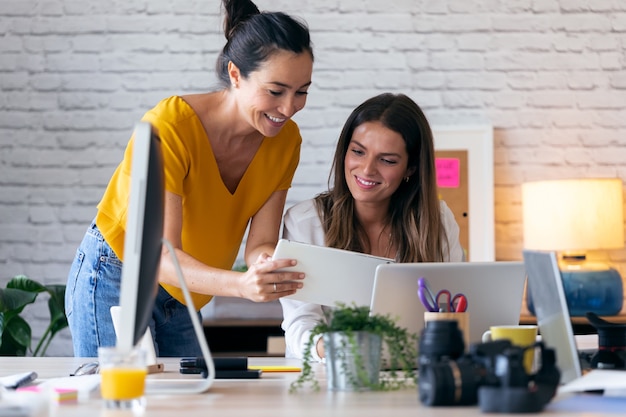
[266, 397]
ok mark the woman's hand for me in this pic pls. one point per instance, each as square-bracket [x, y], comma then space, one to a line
[262, 282]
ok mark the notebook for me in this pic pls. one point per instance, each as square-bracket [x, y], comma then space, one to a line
[331, 275]
[494, 291]
[546, 289]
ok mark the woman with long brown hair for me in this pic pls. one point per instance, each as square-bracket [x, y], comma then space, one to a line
[383, 201]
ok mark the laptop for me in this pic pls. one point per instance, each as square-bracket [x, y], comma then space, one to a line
[546, 288]
[494, 291]
[331, 275]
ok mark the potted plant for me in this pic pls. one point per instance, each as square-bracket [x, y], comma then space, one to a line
[15, 332]
[354, 341]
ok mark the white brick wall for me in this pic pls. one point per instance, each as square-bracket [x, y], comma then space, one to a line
[550, 75]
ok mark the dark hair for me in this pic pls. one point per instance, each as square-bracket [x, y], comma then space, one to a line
[253, 36]
[414, 213]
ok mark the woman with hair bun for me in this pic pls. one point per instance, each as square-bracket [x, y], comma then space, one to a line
[229, 158]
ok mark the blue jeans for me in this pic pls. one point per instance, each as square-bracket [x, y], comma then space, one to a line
[93, 286]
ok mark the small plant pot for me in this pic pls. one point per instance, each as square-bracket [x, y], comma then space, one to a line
[352, 360]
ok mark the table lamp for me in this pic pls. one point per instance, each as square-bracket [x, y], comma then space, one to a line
[571, 217]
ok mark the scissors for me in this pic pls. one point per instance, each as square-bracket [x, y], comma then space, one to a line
[447, 302]
[442, 301]
[459, 303]
[426, 296]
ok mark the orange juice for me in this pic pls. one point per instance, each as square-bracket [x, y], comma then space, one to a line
[122, 383]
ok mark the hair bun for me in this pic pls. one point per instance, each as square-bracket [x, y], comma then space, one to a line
[237, 12]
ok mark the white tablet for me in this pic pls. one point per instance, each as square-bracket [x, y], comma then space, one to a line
[331, 275]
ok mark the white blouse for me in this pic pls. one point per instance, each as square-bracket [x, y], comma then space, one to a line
[302, 224]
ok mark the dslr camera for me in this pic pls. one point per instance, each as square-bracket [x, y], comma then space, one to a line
[491, 374]
[611, 353]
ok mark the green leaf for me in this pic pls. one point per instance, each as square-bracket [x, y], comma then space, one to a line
[56, 303]
[19, 331]
[21, 282]
[58, 319]
[2, 321]
[8, 347]
[15, 332]
[14, 300]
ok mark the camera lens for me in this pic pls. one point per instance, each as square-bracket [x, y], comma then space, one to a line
[449, 383]
[441, 339]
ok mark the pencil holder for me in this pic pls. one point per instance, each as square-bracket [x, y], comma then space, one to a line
[461, 318]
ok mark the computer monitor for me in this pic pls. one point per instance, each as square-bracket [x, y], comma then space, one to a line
[142, 256]
[143, 238]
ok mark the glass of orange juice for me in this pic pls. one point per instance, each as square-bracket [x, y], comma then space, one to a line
[123, 378]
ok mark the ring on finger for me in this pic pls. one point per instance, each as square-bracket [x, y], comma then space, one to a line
[275, 290]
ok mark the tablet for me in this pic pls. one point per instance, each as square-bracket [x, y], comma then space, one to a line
[331, 275]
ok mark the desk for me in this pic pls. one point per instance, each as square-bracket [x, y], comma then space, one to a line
[266, 397]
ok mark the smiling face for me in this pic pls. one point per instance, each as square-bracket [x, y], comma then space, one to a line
[275, 92]
[376, 162]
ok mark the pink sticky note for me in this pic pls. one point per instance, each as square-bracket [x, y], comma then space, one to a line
[61, 395]
[448, 172]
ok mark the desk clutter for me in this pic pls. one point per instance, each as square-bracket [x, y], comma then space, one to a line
[33, 397]
[490, 374]
[57, 395]
[497, 375]
[443, 301]
[235, 367]
[404, 403]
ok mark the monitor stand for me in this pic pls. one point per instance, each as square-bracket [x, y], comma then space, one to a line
[162, 384]
[146, 343]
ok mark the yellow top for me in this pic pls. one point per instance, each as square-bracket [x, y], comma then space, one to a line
[214, 220]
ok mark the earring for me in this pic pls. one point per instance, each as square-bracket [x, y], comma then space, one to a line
[406, 179]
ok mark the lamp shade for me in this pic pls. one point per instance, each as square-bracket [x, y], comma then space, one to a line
[573, 215]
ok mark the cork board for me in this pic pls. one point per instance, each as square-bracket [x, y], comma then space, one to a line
[452, 188]
[464, 155]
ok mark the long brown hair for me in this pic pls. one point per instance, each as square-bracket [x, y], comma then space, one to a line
[414, 212]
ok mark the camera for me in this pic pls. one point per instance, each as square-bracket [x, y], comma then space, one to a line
[490, 374]
[611, 353]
